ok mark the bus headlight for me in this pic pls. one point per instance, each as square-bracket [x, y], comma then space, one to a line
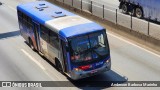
[107, 61]
[77, 69]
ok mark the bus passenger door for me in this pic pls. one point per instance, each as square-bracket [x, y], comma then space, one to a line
[36, 28]
[65, 59]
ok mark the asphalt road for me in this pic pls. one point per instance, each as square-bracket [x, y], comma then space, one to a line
[19, 63]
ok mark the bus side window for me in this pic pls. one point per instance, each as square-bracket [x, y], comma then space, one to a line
[44, 33]
[24, 20]
[29, 21]
[53, 39]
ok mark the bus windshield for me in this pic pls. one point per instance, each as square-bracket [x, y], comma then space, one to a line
[88, 48]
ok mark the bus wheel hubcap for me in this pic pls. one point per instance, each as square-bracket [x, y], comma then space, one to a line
[138, 12]
[124, 9]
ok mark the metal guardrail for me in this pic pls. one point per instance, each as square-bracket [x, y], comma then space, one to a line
[113, 15]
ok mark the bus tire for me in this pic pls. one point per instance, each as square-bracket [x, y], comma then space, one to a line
[139, 12]
[125, 8]
[31, 44]
[58, 65]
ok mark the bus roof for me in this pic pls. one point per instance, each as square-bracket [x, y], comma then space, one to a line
[57, 19]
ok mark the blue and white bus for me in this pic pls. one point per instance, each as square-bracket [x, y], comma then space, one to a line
[77, 46]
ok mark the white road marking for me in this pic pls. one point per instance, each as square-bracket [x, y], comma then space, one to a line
[40, 65]
[10, 7]
[33, 59]
[133, 44]
[51, 75]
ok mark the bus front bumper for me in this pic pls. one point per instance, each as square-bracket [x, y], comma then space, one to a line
[75, 75]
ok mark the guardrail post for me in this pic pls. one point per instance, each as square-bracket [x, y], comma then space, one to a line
[63, 1]
[91, 7]
[81, 5]
[116, 16]
[103, 11]
[131, 21]
[149, 24]
[72, 3]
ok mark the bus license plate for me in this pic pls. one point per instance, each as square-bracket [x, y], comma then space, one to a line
[94, 71]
